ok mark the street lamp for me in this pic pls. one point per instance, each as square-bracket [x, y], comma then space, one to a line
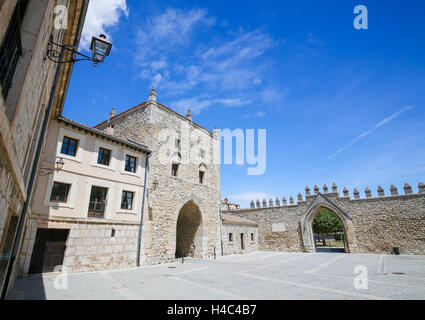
[99, 46]
[59, 166]
[155, 184]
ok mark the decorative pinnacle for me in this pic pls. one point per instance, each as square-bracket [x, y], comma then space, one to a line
[189, 114]
[112, 113]
[334, 187]
[307, 191]
[407, 189]
[381, 192]
[152, 95]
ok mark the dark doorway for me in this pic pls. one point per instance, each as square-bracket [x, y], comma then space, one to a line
[188, 231]
[242, 242]
[49, 250]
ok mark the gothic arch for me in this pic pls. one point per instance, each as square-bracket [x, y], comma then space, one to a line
[306, 224]
[187, 238]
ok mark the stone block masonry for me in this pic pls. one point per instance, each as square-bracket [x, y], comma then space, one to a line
[371, 224]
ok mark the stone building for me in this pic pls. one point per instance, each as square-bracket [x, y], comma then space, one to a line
[85, 216]
[27, 91]
[226, 205]
[371, 224]
[239, 235]
[183, 194]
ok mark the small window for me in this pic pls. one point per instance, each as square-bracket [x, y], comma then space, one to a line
[174, 169]
[252, 237]
[201, 177]
[104, 157]
[178, 143]
[130, 164]
[202, 154]
[59, 192]
[69, 146]
[113, 233]
[230, 237]
[127, 200]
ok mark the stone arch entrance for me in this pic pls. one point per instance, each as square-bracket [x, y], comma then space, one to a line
[189, 231]
[306, 225]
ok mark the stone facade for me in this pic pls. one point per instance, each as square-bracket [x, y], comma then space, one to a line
[23, 105]
[93, 242]
[175, 139]
[371, 224]
[239, 235]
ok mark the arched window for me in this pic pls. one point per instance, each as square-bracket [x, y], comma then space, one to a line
[202, 173]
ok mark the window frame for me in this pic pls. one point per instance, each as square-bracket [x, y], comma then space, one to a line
[176, 175]
[60, 184]
[128, 156]
[69, 140]
[126, 192]
[99, 158]
[231, 238]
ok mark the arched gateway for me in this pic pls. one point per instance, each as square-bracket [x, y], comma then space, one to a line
[306, 225]
[189, 231]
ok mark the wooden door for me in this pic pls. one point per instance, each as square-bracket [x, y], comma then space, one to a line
[242, 242]
[49, 250]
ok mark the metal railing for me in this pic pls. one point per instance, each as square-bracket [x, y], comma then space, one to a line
[96, 209]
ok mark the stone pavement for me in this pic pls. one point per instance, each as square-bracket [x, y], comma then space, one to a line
[256, 275]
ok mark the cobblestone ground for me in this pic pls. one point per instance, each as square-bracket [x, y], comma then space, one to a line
[257, 275]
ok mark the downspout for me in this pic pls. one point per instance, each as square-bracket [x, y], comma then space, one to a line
[22, 218]
[221, 235]
[139, 242]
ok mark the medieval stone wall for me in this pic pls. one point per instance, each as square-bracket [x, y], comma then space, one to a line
[372, 224]
[157, 127]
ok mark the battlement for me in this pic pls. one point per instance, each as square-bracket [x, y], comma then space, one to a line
[345, 195]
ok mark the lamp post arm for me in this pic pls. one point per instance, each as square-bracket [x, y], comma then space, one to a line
[53, 54]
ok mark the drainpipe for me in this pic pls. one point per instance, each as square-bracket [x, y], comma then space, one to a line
[139, 242]
[22, 218]
[221, 236]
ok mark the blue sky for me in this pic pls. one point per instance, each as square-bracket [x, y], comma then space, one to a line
[339, 104]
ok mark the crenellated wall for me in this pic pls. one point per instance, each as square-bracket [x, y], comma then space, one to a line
[372, 224]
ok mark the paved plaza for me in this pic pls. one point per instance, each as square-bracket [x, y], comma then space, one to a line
[257, 275]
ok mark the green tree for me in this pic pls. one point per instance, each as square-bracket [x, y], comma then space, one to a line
[326, 222]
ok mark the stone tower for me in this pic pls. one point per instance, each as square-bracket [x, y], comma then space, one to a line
[182, 212]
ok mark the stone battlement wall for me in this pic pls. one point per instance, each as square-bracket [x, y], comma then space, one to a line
[372, 225]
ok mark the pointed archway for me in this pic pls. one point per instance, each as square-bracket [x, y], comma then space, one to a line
[306, 224]
[189, 231]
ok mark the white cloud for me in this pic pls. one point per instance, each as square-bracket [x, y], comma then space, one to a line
[101, 15]
[186, 58]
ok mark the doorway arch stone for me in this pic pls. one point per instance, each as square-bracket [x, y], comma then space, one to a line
[306, 224]
[189, 231]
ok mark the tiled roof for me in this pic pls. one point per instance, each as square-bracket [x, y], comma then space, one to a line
[128, 143]
[227, 218]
